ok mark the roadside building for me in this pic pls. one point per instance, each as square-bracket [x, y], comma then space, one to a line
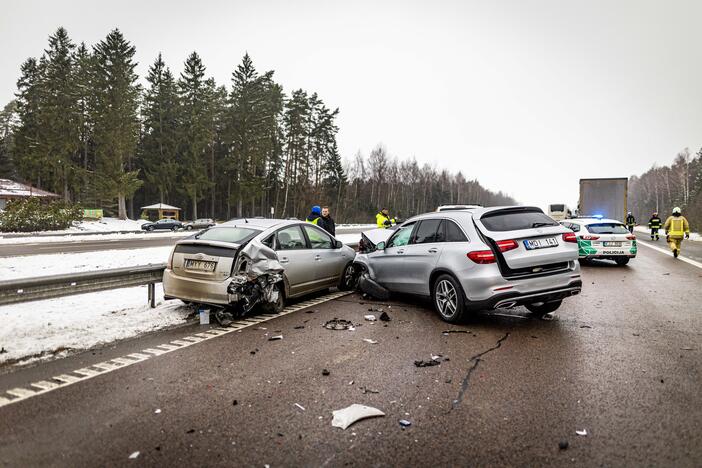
[11, 190]
[160, 211]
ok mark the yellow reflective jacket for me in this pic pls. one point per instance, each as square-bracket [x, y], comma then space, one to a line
[676, 226]
[383, 221]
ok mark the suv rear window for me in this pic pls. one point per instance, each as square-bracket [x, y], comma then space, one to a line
[607, 228]
[234, 235]
[516, 220]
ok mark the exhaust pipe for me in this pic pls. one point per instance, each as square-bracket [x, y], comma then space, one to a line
[505, 305]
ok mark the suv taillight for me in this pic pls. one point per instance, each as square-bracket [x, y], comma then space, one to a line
[506, 245]
[570, 237]
[590, 237]
[631, 237]
[482, 256]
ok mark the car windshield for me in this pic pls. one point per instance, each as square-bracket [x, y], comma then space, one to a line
[557, 207]
[234, 235]
[516, 220]
[607, 228]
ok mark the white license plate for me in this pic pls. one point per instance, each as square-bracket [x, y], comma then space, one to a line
[611, 244]
[532, 244]
[201, 265]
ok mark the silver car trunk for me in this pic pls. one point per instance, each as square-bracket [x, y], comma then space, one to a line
[536, 246]
[207, 260]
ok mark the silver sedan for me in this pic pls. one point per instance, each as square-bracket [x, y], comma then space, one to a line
[482, 258]
[201, 268]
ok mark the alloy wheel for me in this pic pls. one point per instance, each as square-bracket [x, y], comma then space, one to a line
[446, 298]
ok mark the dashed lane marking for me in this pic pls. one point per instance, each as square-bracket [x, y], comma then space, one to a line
[79, 375]
[668, 252]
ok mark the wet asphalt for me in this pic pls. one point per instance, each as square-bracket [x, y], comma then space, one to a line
[621, 361]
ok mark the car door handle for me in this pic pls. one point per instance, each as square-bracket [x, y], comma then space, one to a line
[433, 250]
[400, 251]
[284, 260]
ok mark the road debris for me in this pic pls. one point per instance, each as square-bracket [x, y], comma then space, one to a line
[374, 309]
[134, 455]
[384, 317]
[158, 411]
[3, 350]
[548, 317]
[235, 402]
[687, 348]
[446, 332]
[300, 406]
[345, 417]
[405, 423]
[368, 340]
[563, 444]
[370, 317]
[427, 363]
[275, 338]
[325, 372]
[366, 390]
[338, 324]
[585, 326]
[581, 433]
[299, 327]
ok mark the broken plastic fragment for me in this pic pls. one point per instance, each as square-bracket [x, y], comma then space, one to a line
[369, 317]
[157, 411]
[581, 433]
[368, 340]
[405, 423]
[275, 338]
[338, 324]
[300, 406]
[345, 417]
[384, 317]
[134, 455]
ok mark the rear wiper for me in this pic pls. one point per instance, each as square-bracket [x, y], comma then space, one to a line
[534, 225]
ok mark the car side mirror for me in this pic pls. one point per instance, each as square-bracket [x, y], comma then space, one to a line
[380, 245]
[338, 244]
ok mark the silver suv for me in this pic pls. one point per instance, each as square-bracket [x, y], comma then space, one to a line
[486, 258]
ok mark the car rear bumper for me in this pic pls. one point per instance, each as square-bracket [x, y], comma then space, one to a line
[195, 290]
[513, 298]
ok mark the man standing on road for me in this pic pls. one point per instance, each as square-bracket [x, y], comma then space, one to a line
[383, 220]
[676, 227]
[326, 222]
[314, 215]
[654, 224]
[630, 222]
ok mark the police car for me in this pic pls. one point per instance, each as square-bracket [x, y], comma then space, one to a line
[602, 239]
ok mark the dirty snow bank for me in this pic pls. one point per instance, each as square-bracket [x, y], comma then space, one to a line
[694, 236]
[42, 328]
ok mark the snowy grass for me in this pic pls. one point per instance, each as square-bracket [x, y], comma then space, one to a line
[56, 327]
[661, 232]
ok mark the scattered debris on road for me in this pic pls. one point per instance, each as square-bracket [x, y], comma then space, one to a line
[370, 318]
[300, 406]
[585, 326]
[368, 340]
[325, 372]
[158, 411]
[366, 390]
[687, 348]
[548, 317]
[299, 327]
[235, 402]
[563, 444]
[374, 309]
[134, 455]
[428, 363]
[345, 417]
[3, 350]
[581, 433]
[405, 423]
[384, 317]
[446, 332]
[339, 324]
[275, 338]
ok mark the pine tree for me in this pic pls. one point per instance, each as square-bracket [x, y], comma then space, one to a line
[7, 139]
[29, 159]
[116, 126]
[83, 72]
[159, 144]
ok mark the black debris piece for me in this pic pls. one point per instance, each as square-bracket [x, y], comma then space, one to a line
[374, 309]
[325, 372]
[585, 326]
[446, 332]
[299, 327]
[235, 402]
[190, 431]
[428, 363]
[3, 351]
[365, 390]
[275, 338]
[662, 381]
[338, 324]
[157, 448]
[448, 380]
[384, 317]
[280, 434]
[563, 444]
[310, 311]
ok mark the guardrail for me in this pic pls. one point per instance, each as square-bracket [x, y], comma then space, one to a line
[50, 287]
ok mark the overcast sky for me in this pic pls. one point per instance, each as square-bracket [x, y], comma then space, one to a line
[525, 96]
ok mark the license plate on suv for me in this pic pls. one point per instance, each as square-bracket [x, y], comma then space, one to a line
[611, 244]
[200, 265]
[532, 244]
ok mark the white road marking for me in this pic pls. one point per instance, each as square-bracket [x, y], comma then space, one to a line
[85, 373]
[668, 252]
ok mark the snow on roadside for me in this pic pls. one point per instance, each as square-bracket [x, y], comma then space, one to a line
[91, 237]
[40, 329]
[56, 264]
[661, 232]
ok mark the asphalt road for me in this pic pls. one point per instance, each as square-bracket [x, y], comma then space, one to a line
[621, 361]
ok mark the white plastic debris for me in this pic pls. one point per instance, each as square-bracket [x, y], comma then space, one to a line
[157, 411]
[275, 338]
[368, 340]
[134, 455]
[370, 317]
[343, 418]
[581, 433]
[300, 406]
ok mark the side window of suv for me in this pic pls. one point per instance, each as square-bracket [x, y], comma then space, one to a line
[429, 231]
[291, 238]
[401, 236]
[453, 232]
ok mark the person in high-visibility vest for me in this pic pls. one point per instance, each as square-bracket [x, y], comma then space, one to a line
[630, 222]
[654, 224]
[383, 219]
[676, 228]
[314, 215]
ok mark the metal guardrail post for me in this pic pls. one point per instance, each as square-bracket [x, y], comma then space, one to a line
[152, 294]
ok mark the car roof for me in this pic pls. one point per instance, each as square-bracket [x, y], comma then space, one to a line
[260, 223]
[456, 215]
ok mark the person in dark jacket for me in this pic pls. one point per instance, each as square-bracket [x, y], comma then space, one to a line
[654, 224]
[326, 222]
[314, 215]
[630, 222]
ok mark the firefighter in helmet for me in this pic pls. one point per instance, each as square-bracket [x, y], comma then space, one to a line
[676, 228]
[654, 224]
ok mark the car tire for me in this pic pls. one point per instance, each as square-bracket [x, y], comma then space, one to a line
[188, 228]
[349, 278]
[174, 228]
[448, 299]
[622, 261]
[277, 306]
[542, 308]
[149, 228]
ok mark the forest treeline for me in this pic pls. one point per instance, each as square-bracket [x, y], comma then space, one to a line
[83, 126]
[662, 188]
